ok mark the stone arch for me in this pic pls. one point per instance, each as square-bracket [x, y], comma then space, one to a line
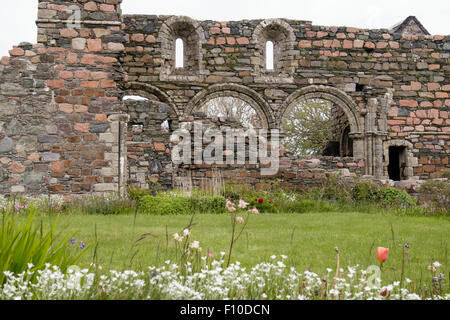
[338, 97]
[334, 95]
[193, 36]
[283, 37]
[238, 91]
[411, 161]
[148, 91]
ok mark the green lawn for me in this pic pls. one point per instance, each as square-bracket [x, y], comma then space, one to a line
[307, 239]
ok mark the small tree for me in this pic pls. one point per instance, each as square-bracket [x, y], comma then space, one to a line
[308, 127]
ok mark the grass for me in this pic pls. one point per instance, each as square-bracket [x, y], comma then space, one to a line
[309, 240]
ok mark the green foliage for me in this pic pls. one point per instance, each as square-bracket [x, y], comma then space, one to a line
[309, 205]
[435, 195]
[168, 204]
[445, 173]
[22, 241]
[101, 205]
[264, 205]
[370, 192]
[365, 191]
[308, 127]
[208, 204]
[394, 196]
[136, 194]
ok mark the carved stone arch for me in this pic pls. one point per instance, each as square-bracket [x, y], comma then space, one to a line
[411, 161]
[147, 91]
[338, 97]
[283, 37]
[193, 36]
[248, 95]
[331, 94]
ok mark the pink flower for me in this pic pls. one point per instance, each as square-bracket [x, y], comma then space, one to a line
[240, 219]
[243, 204]
[229, 205]
[253, 211]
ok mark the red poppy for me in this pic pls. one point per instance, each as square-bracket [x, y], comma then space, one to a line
[276, 204]
[261, 201]
[270, 201]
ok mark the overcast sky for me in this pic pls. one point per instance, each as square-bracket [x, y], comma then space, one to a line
[17, 17]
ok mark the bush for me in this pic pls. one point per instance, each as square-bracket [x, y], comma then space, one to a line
[393, 196]
[445, 173]
[366, 191]
[165, 204]
[435, 195]
[208, 204]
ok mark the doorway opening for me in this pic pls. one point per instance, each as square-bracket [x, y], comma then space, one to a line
[397, 163]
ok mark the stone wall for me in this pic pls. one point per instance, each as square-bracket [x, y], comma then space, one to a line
[409, 72]
[60, 109]
[65, 129]
[292, 172]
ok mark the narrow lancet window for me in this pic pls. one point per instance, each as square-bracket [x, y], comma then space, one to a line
[269, 55]
[179, 53]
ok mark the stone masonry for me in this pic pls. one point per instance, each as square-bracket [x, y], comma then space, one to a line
[65, 128]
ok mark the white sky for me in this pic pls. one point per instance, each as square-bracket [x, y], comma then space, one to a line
[17, 17]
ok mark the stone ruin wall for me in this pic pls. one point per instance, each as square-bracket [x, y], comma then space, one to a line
[65, 129]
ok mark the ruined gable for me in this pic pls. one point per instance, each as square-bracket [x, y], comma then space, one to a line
[410, 26]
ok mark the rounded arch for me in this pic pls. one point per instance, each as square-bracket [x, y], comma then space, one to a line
[238, 91]
[282, 36]
[331, 94]
[193, 36]
[147, 91]
[274, 29]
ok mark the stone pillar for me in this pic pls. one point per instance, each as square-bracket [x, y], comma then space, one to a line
[116, 139]
[371, 130]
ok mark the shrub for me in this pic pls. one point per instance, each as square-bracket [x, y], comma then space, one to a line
[161, 205]
[264, 205]
[366, 191]
[136, 194]
[208, 204]
[445, 173]
[435, 195]
[394, 196]
[165, 204]
[335, 188]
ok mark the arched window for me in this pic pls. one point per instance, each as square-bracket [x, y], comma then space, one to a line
[179, 53]
[269, 55]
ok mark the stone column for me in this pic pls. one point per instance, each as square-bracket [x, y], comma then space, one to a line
[116, 140]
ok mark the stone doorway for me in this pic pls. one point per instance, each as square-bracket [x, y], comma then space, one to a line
[397, 163]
